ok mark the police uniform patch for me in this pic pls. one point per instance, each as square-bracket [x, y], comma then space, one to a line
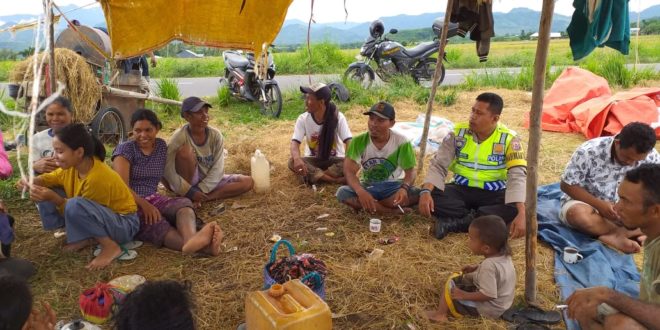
[460, 142]
[498, 149]
[515, 145]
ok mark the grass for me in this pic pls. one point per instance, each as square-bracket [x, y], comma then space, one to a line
[609, 65]
[169, 89]
[328, 58]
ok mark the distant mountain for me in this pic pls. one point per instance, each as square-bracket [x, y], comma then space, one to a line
[295, 31]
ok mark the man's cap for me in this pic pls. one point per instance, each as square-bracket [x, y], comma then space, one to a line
[193, 104]
[320, 90]
[382, 109]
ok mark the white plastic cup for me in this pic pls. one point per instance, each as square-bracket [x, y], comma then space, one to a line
[374, 225]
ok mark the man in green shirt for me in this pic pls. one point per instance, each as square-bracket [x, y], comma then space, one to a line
[386, 161]
[604, 308]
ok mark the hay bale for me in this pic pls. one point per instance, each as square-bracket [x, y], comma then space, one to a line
[82, 86]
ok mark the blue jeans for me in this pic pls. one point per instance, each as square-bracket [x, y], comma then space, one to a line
[379, 190]
[84, 218]
[50, 216]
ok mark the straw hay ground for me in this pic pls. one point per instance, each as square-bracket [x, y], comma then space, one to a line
[384, 294]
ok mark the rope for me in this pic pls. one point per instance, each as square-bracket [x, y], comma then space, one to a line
[309, 48]
[83, 36]
[639, 29]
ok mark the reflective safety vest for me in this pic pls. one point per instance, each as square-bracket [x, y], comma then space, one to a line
[484, 165]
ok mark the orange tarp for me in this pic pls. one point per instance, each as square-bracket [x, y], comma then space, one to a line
[138, 26]
[580, 101]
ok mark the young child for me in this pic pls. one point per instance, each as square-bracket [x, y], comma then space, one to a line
[486, 289]
[156, 305]
[16, 310]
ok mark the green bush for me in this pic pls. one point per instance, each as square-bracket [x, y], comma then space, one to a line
[169, 89]
[223, 95]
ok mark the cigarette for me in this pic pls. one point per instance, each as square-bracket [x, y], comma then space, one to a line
[561, 307]
[400, 208]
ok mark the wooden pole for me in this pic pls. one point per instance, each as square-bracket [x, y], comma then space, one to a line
[434, 87]
[51, 57]
[533, 154]
[134, 95]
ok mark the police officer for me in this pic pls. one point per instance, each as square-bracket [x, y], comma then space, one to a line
[490, 172]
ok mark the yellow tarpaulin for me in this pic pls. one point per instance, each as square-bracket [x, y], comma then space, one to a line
[138, 26]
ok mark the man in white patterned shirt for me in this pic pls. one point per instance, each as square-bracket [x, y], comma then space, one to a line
[591, 179]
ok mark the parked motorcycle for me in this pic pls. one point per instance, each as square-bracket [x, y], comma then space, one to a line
[244, 83]
[392, 58]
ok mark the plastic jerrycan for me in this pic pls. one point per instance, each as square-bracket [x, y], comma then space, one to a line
[288, 306]
[260, 172]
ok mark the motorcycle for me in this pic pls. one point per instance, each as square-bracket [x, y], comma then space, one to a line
[244, 83]
[392, 58]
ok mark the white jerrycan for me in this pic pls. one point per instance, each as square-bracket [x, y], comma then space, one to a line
[260, 172]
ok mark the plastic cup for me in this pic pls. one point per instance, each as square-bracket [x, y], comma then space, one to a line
[374, 225]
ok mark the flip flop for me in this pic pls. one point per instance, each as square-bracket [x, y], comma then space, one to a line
[533, 314]
[132, 245]
[124, 256]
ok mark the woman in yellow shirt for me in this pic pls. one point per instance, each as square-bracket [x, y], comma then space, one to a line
[97, 204]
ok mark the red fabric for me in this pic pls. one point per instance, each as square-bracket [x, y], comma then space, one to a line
[580, 101]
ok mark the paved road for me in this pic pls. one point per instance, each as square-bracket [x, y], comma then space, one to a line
[208, 86]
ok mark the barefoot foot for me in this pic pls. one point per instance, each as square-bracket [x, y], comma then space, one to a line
[214, 247]
[77, 246]
[436, 316]
[108, 255]
[201, 239]
[620, 242]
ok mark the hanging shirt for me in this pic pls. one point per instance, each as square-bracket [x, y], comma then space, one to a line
[597, 24]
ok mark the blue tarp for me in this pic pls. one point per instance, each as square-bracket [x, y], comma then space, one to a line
[601, 266]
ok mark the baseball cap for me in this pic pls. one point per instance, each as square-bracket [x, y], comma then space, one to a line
[193, 104]
[320, 90]
[382, 109]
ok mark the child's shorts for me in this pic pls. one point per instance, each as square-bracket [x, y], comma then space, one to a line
[464, 307]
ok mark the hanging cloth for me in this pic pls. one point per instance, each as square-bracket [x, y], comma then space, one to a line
[599, 23]
[475, 17]
[137, 27]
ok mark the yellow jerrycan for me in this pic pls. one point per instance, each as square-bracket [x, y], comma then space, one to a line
[288, 306]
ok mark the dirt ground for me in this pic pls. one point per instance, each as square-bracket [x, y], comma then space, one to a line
[388, 293]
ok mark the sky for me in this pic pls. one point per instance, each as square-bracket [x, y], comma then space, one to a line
[358, 10]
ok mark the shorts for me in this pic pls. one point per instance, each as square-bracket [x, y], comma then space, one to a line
[378, 190]
[168, 207]
[465, 307]
[226, 179]
[564, 209]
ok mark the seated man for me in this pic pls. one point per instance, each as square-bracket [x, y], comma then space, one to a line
[383, 156]
[490, 173]
[604, 308]
[326, 131]
[195, 165]
[591, 178]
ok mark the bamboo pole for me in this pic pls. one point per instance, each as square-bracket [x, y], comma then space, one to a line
[134, 95]
[540, 63]
[434, 87]
[51, 38]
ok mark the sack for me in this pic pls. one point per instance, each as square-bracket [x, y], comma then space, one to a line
[96, 303]
[305, 267]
